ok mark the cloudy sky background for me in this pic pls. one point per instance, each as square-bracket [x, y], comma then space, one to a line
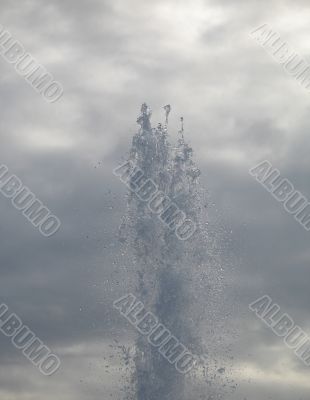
[239, 107]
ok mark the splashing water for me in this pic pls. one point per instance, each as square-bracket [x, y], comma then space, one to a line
[180, 281]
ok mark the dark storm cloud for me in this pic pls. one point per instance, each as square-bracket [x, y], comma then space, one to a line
[239, 107]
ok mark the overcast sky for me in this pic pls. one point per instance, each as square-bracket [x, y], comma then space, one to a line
[239, 107]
